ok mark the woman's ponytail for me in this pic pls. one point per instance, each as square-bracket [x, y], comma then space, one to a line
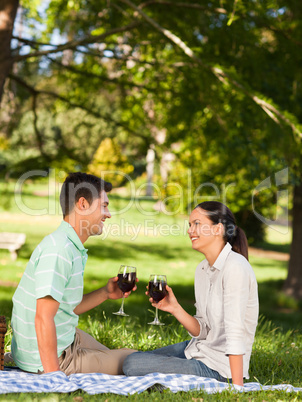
[239, 242]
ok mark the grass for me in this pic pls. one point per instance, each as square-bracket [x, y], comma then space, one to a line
[277, 238]
[193, 396]
[157, 244]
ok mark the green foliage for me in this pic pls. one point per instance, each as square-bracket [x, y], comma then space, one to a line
[200, 176]
[109, 161]
[137, 81]
[253, 227]
[225, 91]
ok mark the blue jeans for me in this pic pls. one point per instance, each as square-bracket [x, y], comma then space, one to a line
[169, 359]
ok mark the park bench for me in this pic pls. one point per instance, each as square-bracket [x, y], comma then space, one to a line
[12, 242]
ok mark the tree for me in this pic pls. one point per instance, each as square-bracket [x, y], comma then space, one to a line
[278, 29]
[204, 73]
[108, 160]
[8, 10]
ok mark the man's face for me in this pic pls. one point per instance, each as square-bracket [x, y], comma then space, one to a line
[96, 214]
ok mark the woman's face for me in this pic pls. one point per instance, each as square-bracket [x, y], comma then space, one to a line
[202, 231]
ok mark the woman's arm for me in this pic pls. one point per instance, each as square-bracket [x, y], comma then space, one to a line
[236, 291]
[171, 305]
[236, 365]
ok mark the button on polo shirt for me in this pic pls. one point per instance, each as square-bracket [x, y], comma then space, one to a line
[55, 269]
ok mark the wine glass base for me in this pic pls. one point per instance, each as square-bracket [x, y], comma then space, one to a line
[156, 323]
[121, 313]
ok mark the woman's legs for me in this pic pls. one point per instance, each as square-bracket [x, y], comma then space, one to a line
[168, 360]
[175, 350]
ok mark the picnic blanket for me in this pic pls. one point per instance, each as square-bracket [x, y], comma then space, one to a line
[12, 381]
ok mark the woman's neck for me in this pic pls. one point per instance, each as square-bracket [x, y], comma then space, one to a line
[212, 253]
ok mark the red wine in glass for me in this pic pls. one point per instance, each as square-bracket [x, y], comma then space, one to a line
[157, 290]
[126, 282]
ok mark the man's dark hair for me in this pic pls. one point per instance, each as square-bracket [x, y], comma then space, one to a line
[77, 185]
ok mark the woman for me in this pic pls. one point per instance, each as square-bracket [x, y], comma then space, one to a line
[226, 294]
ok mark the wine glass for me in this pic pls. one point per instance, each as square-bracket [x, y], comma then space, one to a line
[157, 290]
[126, 282]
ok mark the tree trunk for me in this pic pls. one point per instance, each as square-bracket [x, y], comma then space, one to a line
[293, 283]
[150, 171]
[8, 10]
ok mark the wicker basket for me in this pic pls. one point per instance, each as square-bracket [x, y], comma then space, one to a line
[3, 329]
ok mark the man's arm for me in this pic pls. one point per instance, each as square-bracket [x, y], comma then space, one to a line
[46, 310]
[95, 298]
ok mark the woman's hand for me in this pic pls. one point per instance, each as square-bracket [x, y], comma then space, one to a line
[169, 303]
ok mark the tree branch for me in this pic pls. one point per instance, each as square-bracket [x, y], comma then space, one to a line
[179, 4]
[99, 76]
[269, 109]
[94, 113]
[75, 43]
[285, 35]
[37, 132]
[32, 43]
[115, 57]
[265, 23]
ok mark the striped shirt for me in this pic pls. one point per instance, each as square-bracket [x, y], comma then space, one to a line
[55, 269]
[226, 297]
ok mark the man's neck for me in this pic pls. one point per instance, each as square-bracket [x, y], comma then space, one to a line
[76, 225]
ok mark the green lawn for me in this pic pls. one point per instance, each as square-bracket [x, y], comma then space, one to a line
[157, 243]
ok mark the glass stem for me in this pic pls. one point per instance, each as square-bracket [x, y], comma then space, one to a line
[122, 306]
[156, 314]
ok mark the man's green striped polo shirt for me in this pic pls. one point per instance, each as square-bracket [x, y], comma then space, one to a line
[55, 269]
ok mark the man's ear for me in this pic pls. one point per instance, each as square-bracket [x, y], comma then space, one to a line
[82, 204]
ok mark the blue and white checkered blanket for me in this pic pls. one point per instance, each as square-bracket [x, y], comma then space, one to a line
[97, 383]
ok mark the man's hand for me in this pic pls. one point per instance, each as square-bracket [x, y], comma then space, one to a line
[113, 291]
[97, 297]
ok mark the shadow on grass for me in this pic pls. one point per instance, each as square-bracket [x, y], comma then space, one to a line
[283, 311]
[119, 250]
[264, 245]
[6, 303]
[128, 250]
[137, 304]
[266, 263]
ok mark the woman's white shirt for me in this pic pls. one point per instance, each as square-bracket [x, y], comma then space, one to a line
[227, 310]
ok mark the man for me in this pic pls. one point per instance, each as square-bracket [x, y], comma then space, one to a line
[49, 298]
